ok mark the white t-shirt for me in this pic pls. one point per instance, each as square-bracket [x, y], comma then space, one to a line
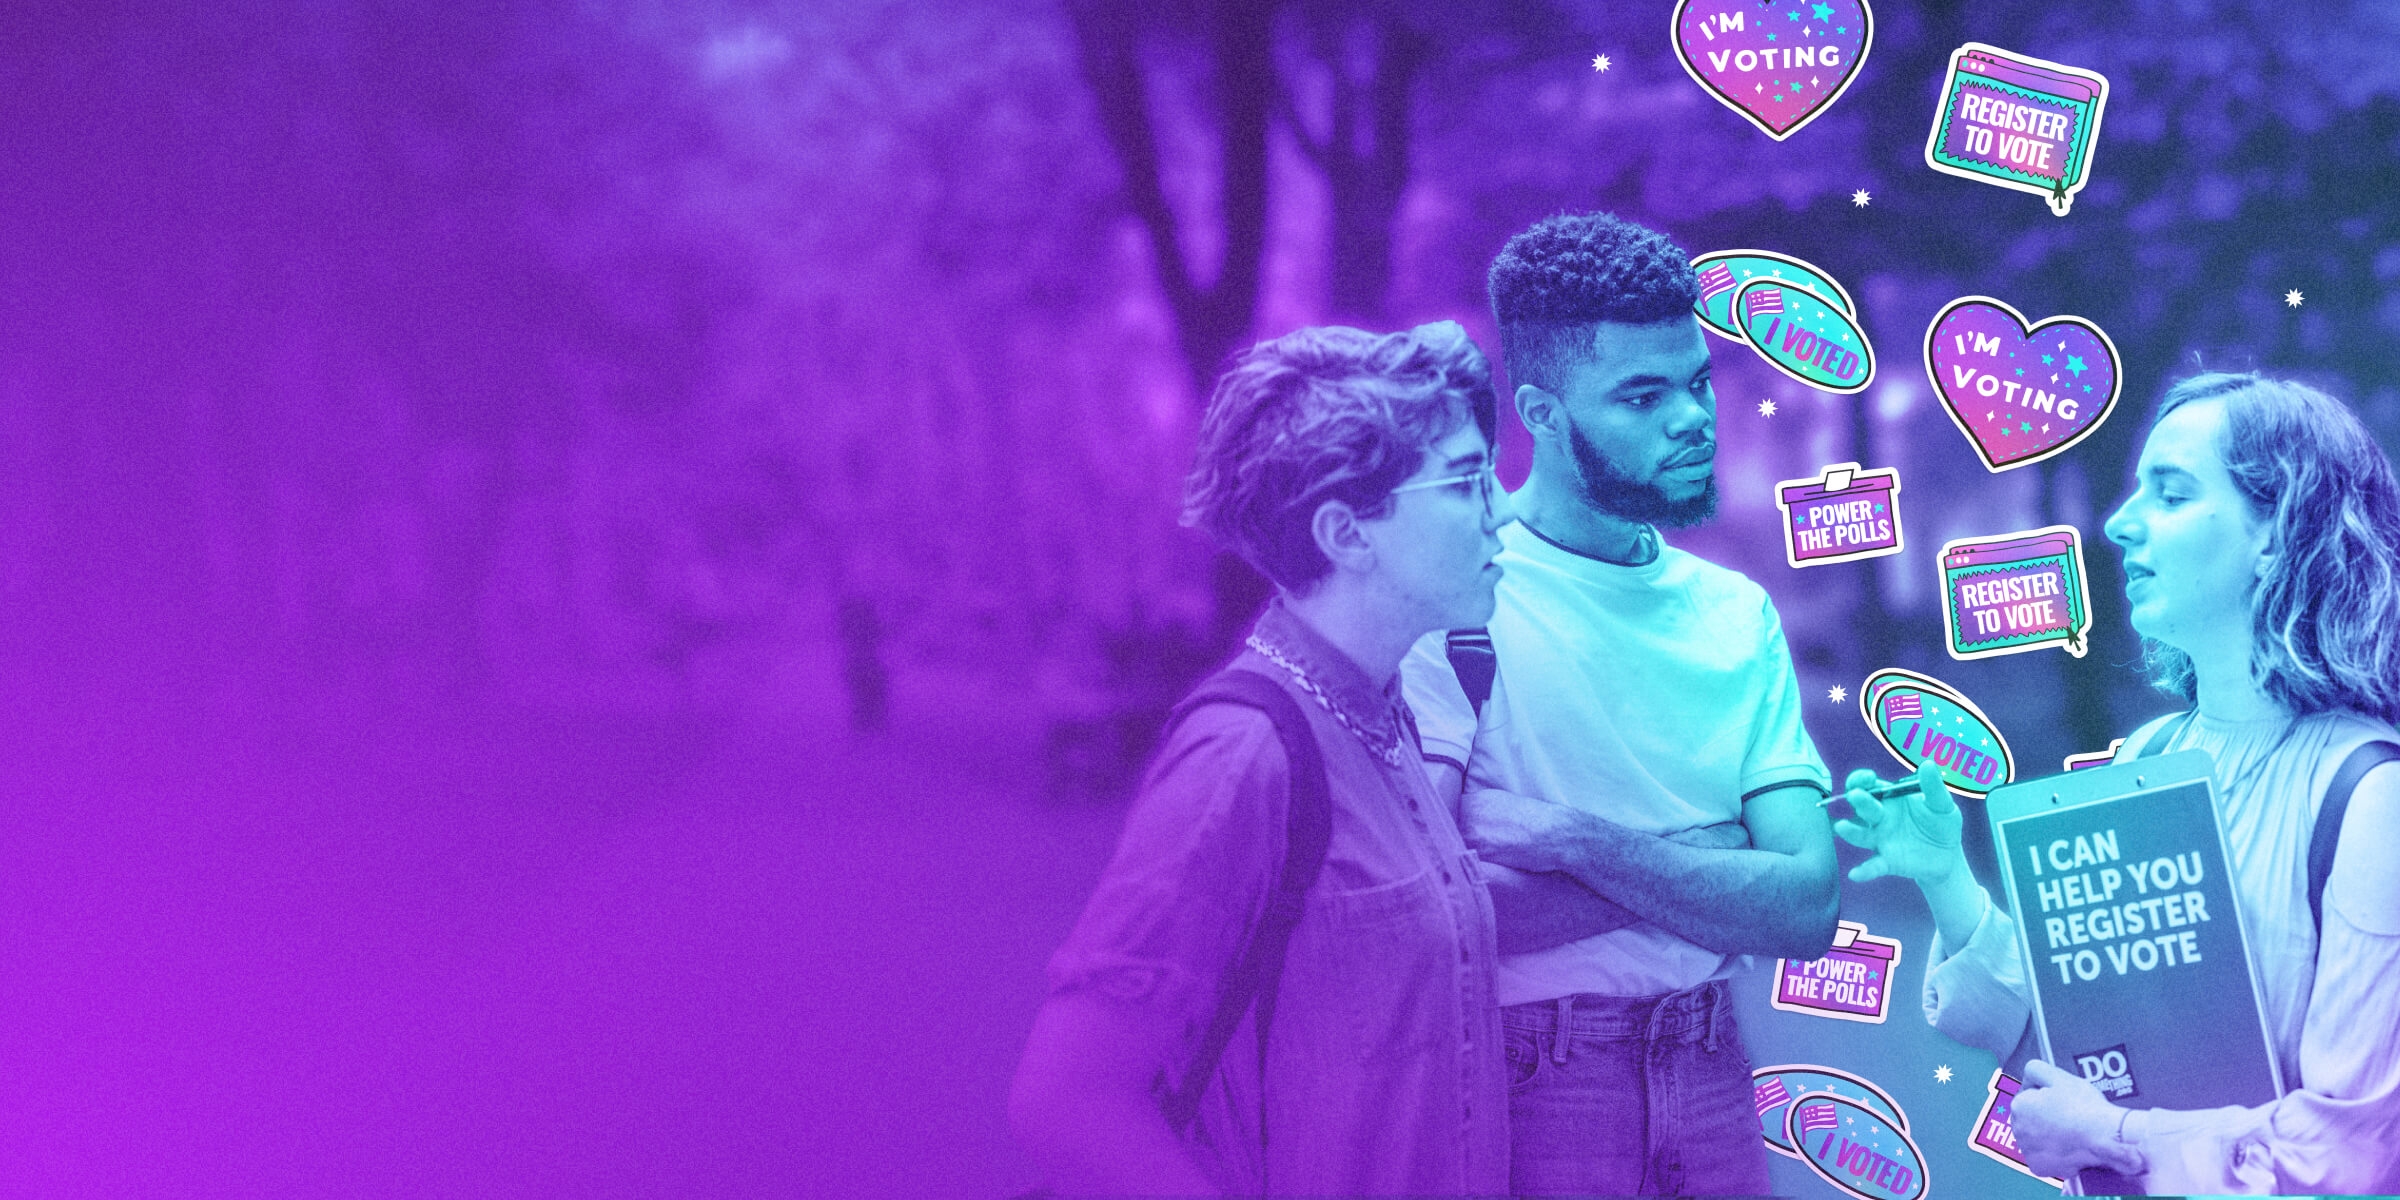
[1659, 696]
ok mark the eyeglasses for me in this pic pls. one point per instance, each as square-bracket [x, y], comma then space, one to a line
[1486, 480]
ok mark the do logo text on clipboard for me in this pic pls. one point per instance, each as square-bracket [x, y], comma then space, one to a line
[2132, 937]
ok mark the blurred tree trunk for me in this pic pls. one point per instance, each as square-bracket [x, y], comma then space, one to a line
[1212, 320]
[1371, 63]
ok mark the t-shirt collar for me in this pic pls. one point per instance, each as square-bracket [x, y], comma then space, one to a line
[1536, 538]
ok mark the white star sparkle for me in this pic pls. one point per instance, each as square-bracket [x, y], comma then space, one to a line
[1836, 693]
[1766, 408]
[1860, 197]
[2291, 299]
[1941, 1074]
[1600, 62]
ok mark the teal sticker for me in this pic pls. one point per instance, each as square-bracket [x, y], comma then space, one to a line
[1774, 1088]
[1724, 272]
[2018, 122]
[1852, 1147]
[2015, 592]
[1804, 335]
[1920, 719]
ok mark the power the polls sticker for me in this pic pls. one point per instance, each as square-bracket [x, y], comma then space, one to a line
[1849, 1145]
[2017, 122]
[1995, 1133]
[2015, 592]
[1920, 719]
[1852, 982]
[2020, 392]
[1774, 1088]
[1778, 67]
[1842, 515]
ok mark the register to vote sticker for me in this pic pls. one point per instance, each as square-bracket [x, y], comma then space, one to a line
[1852, 982]
[2015, 592]
[1841, 515]
[2017, 122]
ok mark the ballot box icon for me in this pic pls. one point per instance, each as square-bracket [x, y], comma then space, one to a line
[1850, 982]
[1841, 514]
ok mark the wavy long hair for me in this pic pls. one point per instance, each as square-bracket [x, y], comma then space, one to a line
[2325, 617]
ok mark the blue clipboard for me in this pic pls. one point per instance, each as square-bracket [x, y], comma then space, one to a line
[2133, 938]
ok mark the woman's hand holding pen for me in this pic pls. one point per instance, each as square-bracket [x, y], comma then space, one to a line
[1914, 829]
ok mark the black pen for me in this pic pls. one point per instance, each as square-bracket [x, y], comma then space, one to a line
[1905, 787]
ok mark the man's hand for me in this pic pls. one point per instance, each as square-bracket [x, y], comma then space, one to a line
[1519, 831]
[1915, 836]
[2064, 1125]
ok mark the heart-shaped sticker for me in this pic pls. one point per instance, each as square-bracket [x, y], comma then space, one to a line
[1779, 63]
[2020, 392]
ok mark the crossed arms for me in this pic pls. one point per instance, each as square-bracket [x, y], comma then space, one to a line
[1763, 885]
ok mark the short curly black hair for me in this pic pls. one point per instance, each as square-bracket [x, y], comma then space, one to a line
[1568, 273]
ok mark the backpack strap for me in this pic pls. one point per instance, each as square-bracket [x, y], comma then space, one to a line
[2327, 836]
[2165, 734]
[1308, 828]
[1475, 663]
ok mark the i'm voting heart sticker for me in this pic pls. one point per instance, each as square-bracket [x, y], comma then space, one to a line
[2020, 392]
[1778, 64]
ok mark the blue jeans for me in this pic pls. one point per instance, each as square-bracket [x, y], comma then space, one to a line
[1645, 1095]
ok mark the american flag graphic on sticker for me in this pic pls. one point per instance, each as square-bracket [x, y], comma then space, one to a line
[1715, 280]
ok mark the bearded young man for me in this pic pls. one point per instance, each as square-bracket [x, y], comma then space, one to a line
[1637, 784]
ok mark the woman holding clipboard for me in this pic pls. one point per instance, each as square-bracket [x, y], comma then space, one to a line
[2262, 563]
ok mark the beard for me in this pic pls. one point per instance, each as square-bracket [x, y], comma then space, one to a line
[1614, 492]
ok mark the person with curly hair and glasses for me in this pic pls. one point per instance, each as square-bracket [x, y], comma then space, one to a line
[1258, 999]
[2262, 569]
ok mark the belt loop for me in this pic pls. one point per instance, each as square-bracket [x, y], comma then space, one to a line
[1716, 1004]
[1558, 1044]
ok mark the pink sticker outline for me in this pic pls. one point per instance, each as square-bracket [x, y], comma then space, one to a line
[2026, 330]
[1845, 935]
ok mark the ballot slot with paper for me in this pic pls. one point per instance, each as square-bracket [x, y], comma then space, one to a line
[2132, 936]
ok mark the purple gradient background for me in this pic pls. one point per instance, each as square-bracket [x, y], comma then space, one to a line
[436, 441]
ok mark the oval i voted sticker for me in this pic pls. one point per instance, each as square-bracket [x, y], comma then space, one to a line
[1852, 1147]
[1773, 1089]
[1920, 719]
[1724, 271]
[1804, 335]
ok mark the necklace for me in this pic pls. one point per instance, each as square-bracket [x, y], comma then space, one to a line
[1389, 751]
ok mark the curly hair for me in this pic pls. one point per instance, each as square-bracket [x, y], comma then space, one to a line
[2325, 618]
[1326, 413]
[1554, 282]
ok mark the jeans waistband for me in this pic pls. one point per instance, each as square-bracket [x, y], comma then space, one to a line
[1685, 1016]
